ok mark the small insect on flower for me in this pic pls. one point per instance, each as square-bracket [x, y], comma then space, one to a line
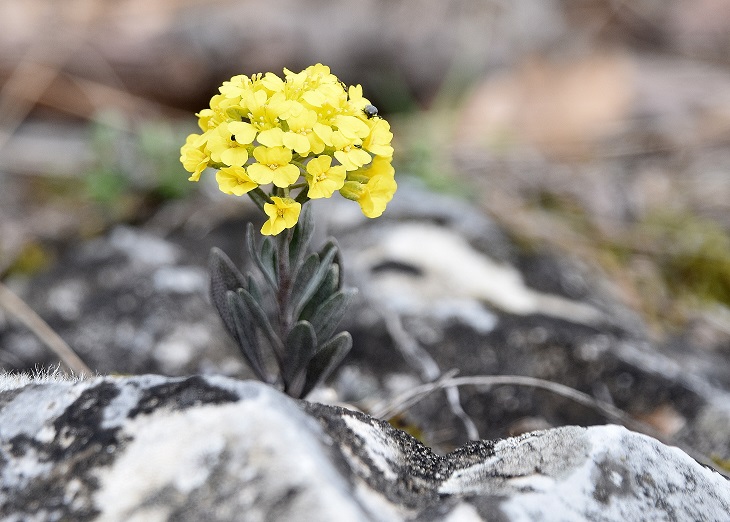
[370, 111]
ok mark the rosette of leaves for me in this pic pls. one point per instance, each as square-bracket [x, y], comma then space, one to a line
[285, 321]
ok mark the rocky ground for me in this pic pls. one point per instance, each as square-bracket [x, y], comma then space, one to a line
[154, 448]
[442, 288]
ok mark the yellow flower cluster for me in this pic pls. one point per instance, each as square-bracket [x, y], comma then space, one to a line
[306, 131]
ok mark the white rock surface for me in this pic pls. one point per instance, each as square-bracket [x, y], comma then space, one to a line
[153, 448]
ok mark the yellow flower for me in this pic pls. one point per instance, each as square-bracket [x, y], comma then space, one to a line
[381, 166]
[235, 87]
[271, 137]
[234, 180]
[315, 85]
[193, 157]
[283, 213]
[295, 80]
[321, 74]
[323, 178]
[349, 152]
[302, 123]
[356, 100]
[215, 115]
[351, 127]
[300, 138]
[323, 133]
[273, 166]
[207, 119]
[378, 192]
[378, 141]
[244, 132]
[228, 144]
[372, 188]
[272, 82]
[264, 111]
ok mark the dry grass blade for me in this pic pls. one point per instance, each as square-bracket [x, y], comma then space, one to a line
[407, 399]
[20, 310]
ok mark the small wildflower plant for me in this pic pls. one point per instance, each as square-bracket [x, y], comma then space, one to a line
[285, 142]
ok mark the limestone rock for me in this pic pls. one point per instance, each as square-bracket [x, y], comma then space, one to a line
[211, 448]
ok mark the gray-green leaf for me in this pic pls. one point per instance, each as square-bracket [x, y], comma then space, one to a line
[306, 285]
[253, 287]
[224, 276]
[326, 318]
[266, 259]
[303, 232]
[300, 347]
[324, 292]
[331, 244]
[303, 277]
[262, 321]
[246, 336]
[326, 359]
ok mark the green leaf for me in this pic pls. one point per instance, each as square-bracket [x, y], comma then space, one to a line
[331, 312]
[224, 276]
[306, 283]
[261, 320]
[248, 341]
[303, 232]
[326, 360]
[266, 260]
[300, 347]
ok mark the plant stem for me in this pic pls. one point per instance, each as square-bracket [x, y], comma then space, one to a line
[259, 197]
[303, 196]
[283, 293]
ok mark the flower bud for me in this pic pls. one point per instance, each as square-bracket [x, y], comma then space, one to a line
[352, 190]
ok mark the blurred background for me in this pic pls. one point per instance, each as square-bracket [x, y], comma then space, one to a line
[596, 128]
